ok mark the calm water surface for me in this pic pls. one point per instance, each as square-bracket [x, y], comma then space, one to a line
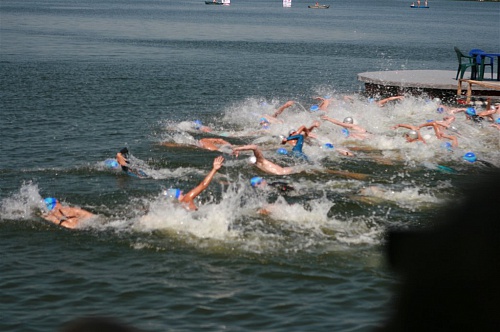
[82, 79]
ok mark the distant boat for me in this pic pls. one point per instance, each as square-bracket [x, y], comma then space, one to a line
[319, 6]
[418, 5]
[213, 3]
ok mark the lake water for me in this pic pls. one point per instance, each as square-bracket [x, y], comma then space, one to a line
[82, 79]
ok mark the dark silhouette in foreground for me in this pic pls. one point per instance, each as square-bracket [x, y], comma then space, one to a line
[450, 273]
[96, 324]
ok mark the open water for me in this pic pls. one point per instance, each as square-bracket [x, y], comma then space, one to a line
[82, 79]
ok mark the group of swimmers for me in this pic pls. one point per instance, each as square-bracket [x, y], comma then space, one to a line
[70, 217]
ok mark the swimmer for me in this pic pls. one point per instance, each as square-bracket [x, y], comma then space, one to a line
[303, 130]
[413, 135]
[298, 137]
[273, 118]
[122, 159]
[471, 158]
[470, 114]
[258, 182]
[65, 216]
[198, 125]
[324, 102]
[188, 199]
[446, 123]
[490, 111]
[262, 163]
[352, 130]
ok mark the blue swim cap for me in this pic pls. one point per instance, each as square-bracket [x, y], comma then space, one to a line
[327, 97]
[371, 100]
[172, 193]
[111, 163]
[264, 123]
[197, 124]
[282, 151]
[497, 121]
[255, 181]
[328, 146]
[440, 109]
[314, 108]
[470, 157]
[470, 111]
[50, 202]
[446, 145]
[345, 131]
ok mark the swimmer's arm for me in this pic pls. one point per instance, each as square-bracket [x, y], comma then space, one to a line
[193, 193]
[407, 126]
[290, 138]
[386, 100]
[457, 110]
[251, 147]
[283, 107]
[315, 124]
[326, 118]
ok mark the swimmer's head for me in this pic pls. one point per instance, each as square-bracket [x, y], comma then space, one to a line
[172, 193]
[470, 111]
[497, 121]
[255, 181]
[348, 120]
[470, 157]
[327, 96]
[50, 203]
[252, 159]
[440, 109]
[412, 134]
[328, 146]
[197, 124]
[314, 108]
[291, 132]
[264, 123]
[282, 151]
[124, 151]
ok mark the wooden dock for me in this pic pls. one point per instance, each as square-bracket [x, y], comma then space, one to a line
[432, 83]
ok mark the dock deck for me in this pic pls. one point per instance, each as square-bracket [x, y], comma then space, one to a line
[433, 83]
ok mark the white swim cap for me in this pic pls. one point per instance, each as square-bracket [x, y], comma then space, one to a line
[412, 134]
[252, 159]
[348, 120]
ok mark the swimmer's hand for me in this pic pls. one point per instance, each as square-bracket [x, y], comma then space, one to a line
[218, 162]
